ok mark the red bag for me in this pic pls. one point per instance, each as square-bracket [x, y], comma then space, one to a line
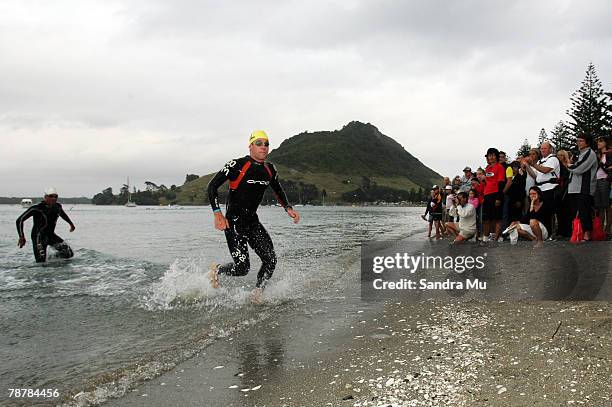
[577, 232]
[598, 232]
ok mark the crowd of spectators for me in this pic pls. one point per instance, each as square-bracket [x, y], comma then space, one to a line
[534, 197]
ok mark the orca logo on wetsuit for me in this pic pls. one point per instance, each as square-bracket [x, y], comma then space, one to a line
[252, 181]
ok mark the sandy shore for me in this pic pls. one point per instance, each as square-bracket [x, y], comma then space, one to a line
[344, 351]
[467, 355]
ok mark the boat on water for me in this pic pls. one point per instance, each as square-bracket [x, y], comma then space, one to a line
[129, 203]
[26, 203]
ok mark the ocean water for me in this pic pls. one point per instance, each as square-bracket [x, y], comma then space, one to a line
[134, 301]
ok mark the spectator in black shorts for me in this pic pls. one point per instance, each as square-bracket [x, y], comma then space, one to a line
[515, 192]
[434, 209]
[493, 196]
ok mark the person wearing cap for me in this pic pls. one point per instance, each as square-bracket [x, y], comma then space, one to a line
[45, 216]
[493, 196]
[248, 177]
[466, 180]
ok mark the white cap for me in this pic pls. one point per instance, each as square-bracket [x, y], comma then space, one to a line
[50, 191]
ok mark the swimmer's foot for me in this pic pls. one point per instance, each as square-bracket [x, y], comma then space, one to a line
[256, 296]
[213, 276]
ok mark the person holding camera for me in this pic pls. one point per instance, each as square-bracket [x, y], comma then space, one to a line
[465, 229]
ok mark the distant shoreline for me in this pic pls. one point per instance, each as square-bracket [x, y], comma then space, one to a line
[71, 201]
[17, 200]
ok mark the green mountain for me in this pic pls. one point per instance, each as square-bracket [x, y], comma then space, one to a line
[355, 164]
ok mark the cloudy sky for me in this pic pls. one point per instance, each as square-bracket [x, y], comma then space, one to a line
[92, 92]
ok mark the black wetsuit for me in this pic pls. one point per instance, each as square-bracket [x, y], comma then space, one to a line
[249, 179]
[43, 231]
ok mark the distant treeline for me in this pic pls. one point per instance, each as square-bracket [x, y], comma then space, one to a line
[73, 201]
[297, 193]
[152, 195]
[368, 191]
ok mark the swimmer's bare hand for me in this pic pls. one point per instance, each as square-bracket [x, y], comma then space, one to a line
[21, 242]
[72, 228]
[221, 222]
[293, 214]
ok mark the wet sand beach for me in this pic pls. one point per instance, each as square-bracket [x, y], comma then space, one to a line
[345, 351]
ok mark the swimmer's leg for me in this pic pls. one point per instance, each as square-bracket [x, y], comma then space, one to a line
[63, 249]
[260, 241]
[39, 245]
[239, 250]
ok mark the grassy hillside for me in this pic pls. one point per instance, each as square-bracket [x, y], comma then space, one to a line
[338, 162]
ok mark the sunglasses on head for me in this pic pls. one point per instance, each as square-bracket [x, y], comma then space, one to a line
[260, 143]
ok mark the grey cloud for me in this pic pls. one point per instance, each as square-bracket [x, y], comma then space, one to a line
[132, 80]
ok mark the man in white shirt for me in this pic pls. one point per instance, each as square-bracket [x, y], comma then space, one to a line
[465, 229]
[546, 172]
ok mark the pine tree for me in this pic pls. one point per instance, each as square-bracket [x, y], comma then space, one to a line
[589, 110]
[609, 103]
[562, 137]
[542, 137]
[524, 149]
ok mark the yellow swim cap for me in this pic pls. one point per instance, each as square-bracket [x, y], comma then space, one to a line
[256, 135]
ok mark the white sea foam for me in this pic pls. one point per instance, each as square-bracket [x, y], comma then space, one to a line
[186, 283]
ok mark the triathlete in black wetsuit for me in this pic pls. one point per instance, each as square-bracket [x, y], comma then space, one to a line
[43, 234]
[249, 178]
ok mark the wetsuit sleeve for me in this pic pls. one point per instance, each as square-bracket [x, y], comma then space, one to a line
[214, 184]
[64, 216]
[230, 171]
[20, 220]
[281, 196]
